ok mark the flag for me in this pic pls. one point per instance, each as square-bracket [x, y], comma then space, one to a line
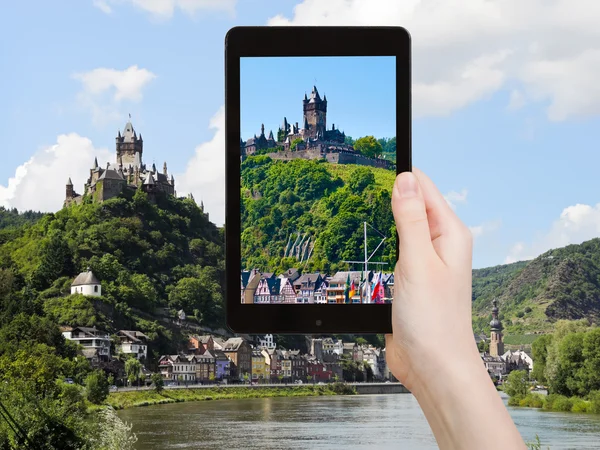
[376, 285]
[347, 290]
[380, 289]
[352, 290]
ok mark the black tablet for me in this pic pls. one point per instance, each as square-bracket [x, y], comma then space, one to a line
[318, 124]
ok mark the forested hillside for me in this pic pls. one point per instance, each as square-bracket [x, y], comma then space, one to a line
[327, 203]
[147, 256]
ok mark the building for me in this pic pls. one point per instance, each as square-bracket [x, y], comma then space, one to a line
[222, 365]
[496, 342]
[133, 343]
[267, 341]
[127, 172]
[286, 292]
[517, 360]
[268, 290]
[249, 283]
[312, 140]
[178, 368]
[239, 353]
[205, 367]
[305, 287]
[336, 291]
[261, 370]
[199, 344]
[331, 346]
[86, 283]
[95, 343]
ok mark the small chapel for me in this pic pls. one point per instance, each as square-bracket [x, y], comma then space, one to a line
[127, 171]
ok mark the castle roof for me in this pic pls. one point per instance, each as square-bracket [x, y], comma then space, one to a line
[85, 278]
[129, 133]
[149, 180]
[110, 174]
[69, 183]
[314, 96]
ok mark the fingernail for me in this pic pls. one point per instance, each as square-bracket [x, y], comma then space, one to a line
[406, 183]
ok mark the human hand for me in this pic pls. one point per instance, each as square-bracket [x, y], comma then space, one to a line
[432, 350]
[431, 311]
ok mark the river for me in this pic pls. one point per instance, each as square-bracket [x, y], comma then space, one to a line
[337, 422]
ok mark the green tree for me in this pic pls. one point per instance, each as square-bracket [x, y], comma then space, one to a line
[211, 377]
[158, 382]
[295, 143]
[96, 387]
[539, 350]
[133, 370]
[517, 383]
[368, 146]
[361, 178]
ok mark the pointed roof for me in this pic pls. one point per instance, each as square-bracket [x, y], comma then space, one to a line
[129, 133]
[85, 279]
[69, 182]
[149, 180]
[137, 159]
[314, 96]
[95, 163]
[271, 138]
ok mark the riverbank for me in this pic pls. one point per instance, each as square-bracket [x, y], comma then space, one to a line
[559, 403]
[132, 399]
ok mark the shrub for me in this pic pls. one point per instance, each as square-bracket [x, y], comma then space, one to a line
[594, 398]
[562, 403]
[580, 405]
[515, 400]
[96, 386]
[532, 401]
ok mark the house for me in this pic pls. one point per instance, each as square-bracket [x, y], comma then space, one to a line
[271, 361]
[222, 365]
[305, 287]
[495, 365]
[249, 283]
[199, 344]
[286, 364]
[286, 292]
[268, 291]
[337, 287]
[331, 346]
[298, 365]
[317, 371]
[95, 343]
[205, 367]
[291, 274]
[86, 283]
[320, 293]
[261, 370]
[517, 360]
[133, 343]
[240, 354]
[267, 341]
[178, 368]
[388, 286]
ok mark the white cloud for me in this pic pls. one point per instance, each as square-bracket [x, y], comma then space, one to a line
[105, 90]
[453, 197]
[204, 175]
[549, 50]
[164, 9]
[576, 224]
[103, 6]
[485, 228]
[39, 183]
[517, 100]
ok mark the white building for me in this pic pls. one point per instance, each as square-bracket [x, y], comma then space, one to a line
[95, 343]
[178, 367]
[267, 342]
[86, 283]
[514, 356]
[133, 343]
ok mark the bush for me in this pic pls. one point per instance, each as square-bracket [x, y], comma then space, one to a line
[580, 405]
[515, 400]
[532, 401]
[594, 398]
[562, 403]
[96, 386]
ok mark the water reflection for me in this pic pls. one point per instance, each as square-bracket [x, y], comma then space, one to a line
[378, 421]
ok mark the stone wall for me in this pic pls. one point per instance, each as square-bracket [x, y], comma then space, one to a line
[313, 153]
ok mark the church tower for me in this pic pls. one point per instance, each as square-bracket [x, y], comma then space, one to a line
[496, 344]
[128, 146]
[315, 114]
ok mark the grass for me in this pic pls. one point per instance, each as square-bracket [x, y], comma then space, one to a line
[561, 403]
[132, 399]
[383, 178]
[520, 339]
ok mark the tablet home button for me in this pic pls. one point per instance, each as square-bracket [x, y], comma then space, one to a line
[318, 323]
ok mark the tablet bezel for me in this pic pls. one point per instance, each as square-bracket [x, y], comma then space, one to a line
[304, 41]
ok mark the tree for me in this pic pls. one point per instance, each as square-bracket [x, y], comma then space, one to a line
[96, 387]
[539, 350]
[111, 380]
[211, 378]
[295, 143]
[517, 383]
[133, 370]
[360, 179]
[368, 146]
[158, 382]
[280, 377]
[309, 378]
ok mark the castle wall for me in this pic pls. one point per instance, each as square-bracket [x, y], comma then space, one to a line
[354, 158]
[313, 153]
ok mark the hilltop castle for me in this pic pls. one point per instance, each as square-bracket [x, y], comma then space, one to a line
[127, 172]
[312, 141]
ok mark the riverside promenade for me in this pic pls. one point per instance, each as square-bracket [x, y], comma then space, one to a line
[361, 388]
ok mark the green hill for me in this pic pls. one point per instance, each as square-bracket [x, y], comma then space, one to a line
[563, 283]
[148, 255]
[286, 201]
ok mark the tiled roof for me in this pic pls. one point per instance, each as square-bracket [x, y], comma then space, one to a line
[85, 278]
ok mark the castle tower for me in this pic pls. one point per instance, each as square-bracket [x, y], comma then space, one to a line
[129, 146]
[315, 113]
[70, 193]
[496, 343]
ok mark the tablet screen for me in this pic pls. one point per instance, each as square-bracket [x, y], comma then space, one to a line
[318, 154]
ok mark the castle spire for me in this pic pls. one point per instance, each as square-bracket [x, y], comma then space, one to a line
[95, 163]
[262, 129]
[165, 168]
[69, 182]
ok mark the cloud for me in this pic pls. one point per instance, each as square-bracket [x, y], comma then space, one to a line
[105, 90]
[164, 9]
[517, 100]
[548, 50]
[39, 183]
[576, 224]
[204, 175]
[453, 197]
[485, 228]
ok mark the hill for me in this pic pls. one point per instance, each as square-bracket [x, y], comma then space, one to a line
[148, 256]
[563, 283]
[325, 204]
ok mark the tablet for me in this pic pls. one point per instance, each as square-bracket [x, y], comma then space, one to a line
[318, 124]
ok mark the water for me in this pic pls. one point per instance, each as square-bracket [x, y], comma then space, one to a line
[347, 422]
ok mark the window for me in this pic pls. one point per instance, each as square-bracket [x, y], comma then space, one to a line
[95, 288]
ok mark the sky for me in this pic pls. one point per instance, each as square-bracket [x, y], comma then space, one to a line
[360, 91]
[505, 94]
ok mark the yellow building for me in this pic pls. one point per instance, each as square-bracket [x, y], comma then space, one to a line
[260, 369]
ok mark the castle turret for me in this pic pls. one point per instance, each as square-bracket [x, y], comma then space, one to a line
[165, 168]
[315, 114]
[70, 193]
[128, 145]
[496, 342]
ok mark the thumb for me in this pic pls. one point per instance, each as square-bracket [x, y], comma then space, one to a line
[410, 215]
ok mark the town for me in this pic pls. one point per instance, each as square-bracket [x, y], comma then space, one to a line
[247, 359]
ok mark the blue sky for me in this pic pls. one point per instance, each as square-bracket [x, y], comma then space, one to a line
[361, 93]
[506, 122]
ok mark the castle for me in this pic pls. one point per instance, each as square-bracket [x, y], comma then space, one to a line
[128, 172]
[312, 141]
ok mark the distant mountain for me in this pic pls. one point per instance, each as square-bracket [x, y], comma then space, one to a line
[563, 283]
[13, 218]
